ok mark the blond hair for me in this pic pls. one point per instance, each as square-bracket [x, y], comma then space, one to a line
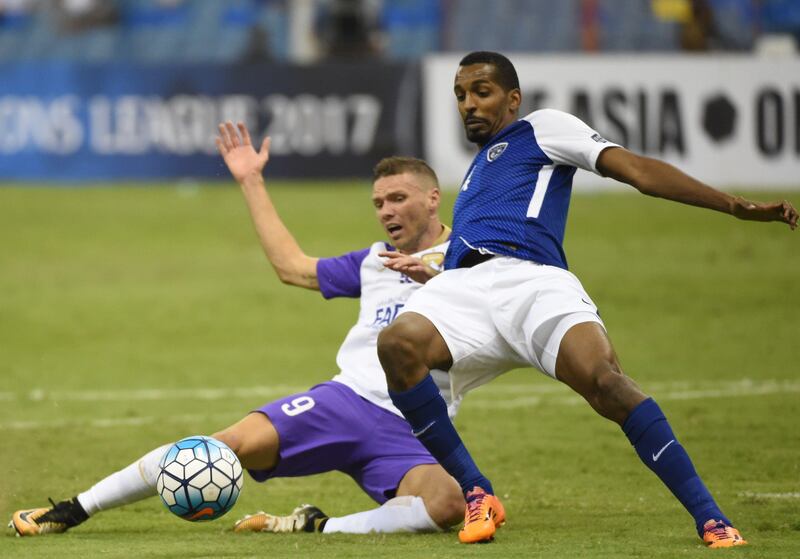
[396, 165]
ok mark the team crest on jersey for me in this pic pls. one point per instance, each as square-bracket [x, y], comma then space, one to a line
[496, 151]
[434, 260]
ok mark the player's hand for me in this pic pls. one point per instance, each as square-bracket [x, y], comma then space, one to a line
[242, 159]
[765, 211]
[411, 266]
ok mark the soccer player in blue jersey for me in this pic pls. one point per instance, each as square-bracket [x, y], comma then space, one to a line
[347, 424]
[506, 298]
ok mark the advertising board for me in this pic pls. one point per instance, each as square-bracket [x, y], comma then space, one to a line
[84, 122]
[731, 121]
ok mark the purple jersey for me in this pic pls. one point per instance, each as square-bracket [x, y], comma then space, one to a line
[340, 276]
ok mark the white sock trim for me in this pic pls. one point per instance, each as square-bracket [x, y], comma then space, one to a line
[133, 483]
[401, 514]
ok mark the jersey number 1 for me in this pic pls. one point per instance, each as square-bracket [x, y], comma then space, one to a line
[542, 181]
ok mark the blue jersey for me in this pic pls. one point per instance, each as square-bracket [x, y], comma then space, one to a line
[515, 197]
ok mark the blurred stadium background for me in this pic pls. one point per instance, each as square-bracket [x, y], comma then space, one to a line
[124, 89]
[131, 316]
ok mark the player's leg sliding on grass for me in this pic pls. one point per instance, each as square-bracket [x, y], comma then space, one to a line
[347, 424]
[415, 494]
[331, 428]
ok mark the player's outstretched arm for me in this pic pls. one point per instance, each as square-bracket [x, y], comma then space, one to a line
[246, 165]
[660, 179]
[411, 266]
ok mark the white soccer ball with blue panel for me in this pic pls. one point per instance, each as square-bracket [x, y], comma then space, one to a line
[200, 478]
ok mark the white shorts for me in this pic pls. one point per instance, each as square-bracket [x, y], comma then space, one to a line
[502, 314]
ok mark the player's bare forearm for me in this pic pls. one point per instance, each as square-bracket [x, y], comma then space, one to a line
[291, 264]
[657, 178]
[411, 266]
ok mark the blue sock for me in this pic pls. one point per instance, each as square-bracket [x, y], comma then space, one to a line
[656, 445]
[426, 411]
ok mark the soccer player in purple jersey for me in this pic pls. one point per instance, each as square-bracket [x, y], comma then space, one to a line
[348, 424]
[506, 298]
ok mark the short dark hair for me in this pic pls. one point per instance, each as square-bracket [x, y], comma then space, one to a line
[396, 165]
[504, 70]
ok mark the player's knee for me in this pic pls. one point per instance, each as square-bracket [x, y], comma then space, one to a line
[231, 438]
[254, 440]
[396, 343]
[446, 507]
[452, 510]
[398, 351]
[607, 379]
[614, 394]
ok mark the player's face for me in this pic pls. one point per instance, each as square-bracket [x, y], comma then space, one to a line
[405, 208]
[485, 107]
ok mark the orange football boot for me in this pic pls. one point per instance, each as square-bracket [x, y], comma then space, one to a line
[48, 520]
[484, 514]
[718, 534]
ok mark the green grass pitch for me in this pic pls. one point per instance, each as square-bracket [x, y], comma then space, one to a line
[132, 316]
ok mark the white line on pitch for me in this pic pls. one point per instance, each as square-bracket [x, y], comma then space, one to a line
[744, 387]
[790, 495]
[732, 389]
[104, 423]
[38, 395]
[677, 390]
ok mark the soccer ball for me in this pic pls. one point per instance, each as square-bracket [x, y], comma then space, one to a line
[200, 478]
